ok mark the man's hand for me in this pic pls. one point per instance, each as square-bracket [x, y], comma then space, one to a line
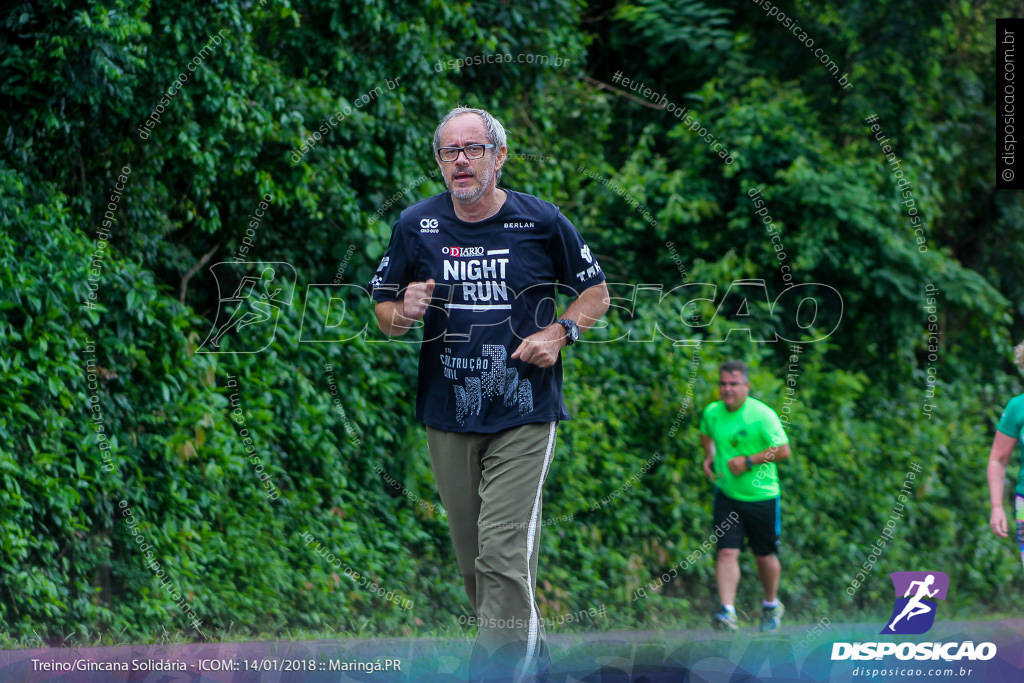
[397, 317]
[709, 463]
[417, 299]
[542, 348]
[737, 464]
[998, 521]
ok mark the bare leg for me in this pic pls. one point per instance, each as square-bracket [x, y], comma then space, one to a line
[769, 569]
[727, 571]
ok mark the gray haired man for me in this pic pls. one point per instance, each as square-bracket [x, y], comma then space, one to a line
[480, 266]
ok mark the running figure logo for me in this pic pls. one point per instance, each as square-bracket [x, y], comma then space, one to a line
[917, 596]
[254, 305]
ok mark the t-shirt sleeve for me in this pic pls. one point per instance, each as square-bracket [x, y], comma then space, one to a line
[576, 266]
[1013, 418]
[394, 272]
[773, 428]
[705, 427]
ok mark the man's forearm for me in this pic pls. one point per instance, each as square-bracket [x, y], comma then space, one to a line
[773, 454]
[709, 446]
[390, 319]
[996, 474]
[589, 306]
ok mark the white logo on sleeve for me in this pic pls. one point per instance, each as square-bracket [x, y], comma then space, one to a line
[586, 255]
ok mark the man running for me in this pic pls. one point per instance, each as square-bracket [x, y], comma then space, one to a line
[479, 266]
[743, 439]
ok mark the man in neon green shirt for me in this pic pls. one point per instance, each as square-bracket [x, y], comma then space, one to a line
[743, 439]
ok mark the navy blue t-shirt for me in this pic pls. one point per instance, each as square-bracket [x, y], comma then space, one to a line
[495, 286]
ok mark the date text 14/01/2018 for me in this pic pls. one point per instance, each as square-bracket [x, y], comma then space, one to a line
[268, 664]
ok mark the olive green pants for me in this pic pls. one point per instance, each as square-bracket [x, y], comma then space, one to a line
[491, 486]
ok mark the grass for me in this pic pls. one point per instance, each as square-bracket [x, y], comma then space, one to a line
[654, 613]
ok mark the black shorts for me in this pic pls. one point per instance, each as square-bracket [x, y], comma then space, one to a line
[759, 521]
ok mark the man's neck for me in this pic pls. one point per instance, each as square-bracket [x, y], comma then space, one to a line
[482, 209]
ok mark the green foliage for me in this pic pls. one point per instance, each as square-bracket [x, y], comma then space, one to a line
[329, 109]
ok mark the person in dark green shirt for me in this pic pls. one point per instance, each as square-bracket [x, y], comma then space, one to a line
[1009, 433]
[743, 440]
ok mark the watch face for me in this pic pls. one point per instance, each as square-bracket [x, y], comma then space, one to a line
[572, 331]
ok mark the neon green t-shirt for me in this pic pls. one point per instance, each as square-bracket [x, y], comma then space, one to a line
[1012, 424]
[752, 428]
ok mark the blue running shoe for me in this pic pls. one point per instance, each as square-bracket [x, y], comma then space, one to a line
[772, 617]
[724, 620]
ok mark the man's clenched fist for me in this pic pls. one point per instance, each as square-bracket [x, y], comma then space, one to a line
[417, 299]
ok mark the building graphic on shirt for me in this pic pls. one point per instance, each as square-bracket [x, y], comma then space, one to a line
[480, 277]
[497, 382]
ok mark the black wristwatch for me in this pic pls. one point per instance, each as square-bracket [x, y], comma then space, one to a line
[572, 331]
[750, 463]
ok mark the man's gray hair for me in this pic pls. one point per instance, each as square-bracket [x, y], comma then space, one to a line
[495, 131]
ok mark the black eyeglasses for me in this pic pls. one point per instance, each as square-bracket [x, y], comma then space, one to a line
[450, 154]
